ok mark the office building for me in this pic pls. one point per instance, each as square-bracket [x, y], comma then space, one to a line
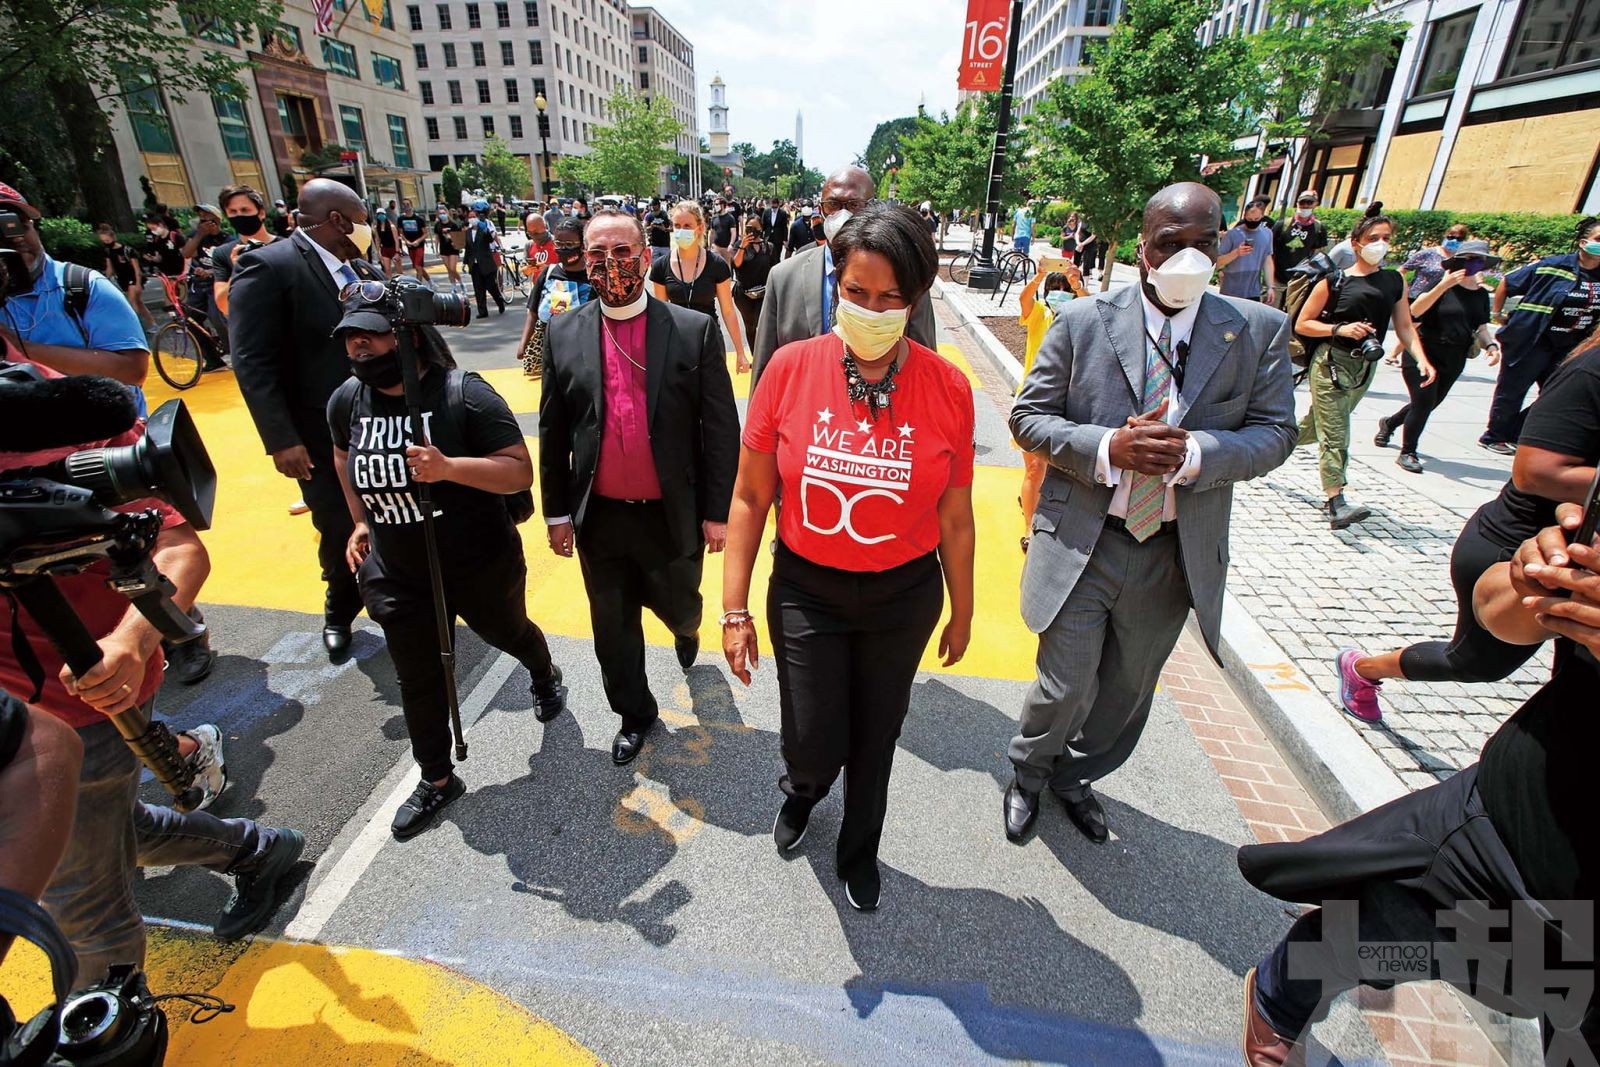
[481, 64]
[663, 63]
[1055, 36]
[306, 95]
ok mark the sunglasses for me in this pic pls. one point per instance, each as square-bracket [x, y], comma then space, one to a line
[370, 292]
[568, 249]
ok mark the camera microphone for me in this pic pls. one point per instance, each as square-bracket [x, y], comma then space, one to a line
[39, 413]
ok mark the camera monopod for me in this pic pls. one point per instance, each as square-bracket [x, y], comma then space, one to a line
[410, 378]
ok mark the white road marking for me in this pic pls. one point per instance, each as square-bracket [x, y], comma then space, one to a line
[341, 877]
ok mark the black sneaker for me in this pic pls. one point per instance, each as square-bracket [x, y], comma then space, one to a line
[1499, 448]
[789, 828]
[1408, 461]
[425, 802]
[255, 892]
[864, 888]
[191, 661]
[1384, 434]
[549, 696]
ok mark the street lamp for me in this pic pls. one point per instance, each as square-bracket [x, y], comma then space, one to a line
[542, 105]
[894, 174]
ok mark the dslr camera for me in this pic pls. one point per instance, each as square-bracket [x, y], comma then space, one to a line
[1370, 349]
[408, 302]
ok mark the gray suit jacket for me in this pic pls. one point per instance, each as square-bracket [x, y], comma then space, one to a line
[1238, 393]
[791, 310]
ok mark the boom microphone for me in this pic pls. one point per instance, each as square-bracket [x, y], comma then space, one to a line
[39, 413]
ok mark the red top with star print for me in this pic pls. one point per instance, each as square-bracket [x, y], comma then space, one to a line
[861, 494]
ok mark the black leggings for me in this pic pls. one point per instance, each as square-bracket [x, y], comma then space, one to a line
[847, 645]
[490, 597]
[1473, 654]
[1449, 363]
[750, 312]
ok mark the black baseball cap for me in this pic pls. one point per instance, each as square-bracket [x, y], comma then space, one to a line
[366, 308]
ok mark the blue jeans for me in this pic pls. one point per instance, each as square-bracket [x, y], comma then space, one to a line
[1022, 244]
[114, 834]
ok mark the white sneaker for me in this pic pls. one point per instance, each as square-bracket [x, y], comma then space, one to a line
[299, 507]
[210, 773]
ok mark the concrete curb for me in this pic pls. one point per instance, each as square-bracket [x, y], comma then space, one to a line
[1008, 364]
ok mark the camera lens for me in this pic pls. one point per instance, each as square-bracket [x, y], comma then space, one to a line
[451, 310]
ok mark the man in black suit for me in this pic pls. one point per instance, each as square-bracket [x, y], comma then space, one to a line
[775, 221]
[283, 303]
[638, 447]
[482, 244]
[802, 235]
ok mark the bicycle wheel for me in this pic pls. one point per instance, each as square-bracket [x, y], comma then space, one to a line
[961, 268]
[179, 355]
[1016, 267]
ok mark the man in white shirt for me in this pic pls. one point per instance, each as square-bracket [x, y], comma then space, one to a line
[1148, 403]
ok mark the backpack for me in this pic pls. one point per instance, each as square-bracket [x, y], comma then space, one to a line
[1302, 280]
[75, 282]
[519, 505]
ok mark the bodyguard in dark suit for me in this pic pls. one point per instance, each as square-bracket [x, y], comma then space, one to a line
[638, 448]
[775, 221]
[283, 303]
[801, 235]
[482, 244]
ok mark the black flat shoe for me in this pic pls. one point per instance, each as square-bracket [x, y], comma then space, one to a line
[336, 639]
[424, 805]
[1088, 816]
[626, 745]
[688, 650]
[549, 696]
[864, 888]
[789, 828]
[1021, 809]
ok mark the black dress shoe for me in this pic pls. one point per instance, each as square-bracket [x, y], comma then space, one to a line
[549, 696]
[626, 745]
[336, 639]
[1088, 816]
[688, 649]
[1021, 808]
[863, 888]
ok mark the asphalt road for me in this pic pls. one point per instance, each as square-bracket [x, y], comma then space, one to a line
[643, 910]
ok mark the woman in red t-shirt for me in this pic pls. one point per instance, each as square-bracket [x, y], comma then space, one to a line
[869, 437]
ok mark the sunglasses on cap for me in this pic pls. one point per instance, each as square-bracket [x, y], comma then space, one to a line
[370, 292]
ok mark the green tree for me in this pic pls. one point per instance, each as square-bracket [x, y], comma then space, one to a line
[946, 160]
[450, 186]
[1155, 102]
[503, 173]
[88, 57]
[886, 140]
[627, 155]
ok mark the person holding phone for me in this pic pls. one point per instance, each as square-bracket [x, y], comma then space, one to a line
[752, 262]
[1042, 298]
[1245, 255]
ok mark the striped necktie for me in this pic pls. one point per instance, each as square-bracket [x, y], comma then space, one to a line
[347, 276]
[1147, 493]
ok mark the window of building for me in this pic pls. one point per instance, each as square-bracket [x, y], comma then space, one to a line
[461, 128]
[340, 58]
[488, 125]
[1441, 61]
[508, 54]
[474, 19]
[530, 12]
[478, 59]
[209, 30]
[1552, 34]
[538, 87]
[483, 91]
[426, 89]
[449, 54]
[387, 71]
[516, 126]
[414, 17]
[432, 125]
[462, 161]
[400, 140]
[444, 15]
[644, 79]
[288, 36]
[236, 139]
[438, 163]
[419, 53]
[455, 92]
[1370, 85]
[387, 19]
[513, 92]
[297, 118]
[353, 126]
[565, 135]
[536, 53]
[502, 15]
[644, 53]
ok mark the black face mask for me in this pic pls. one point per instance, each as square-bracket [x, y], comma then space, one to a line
[380, 372]
[1251, 224]
[246, 225]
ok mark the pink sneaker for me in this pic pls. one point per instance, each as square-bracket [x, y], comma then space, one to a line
[1359, 696]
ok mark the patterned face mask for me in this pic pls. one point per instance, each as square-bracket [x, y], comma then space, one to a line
[617, 281]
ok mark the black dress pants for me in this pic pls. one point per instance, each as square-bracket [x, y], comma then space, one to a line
[629, 564]
[331, 516]
[1472, 654]
[1520, 370]
[486, 283]
[847, 645]
[490, 596]
[750, 312]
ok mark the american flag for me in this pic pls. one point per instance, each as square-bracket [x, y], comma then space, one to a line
[324, 10]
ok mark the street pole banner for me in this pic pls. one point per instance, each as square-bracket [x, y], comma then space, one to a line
[983, 45]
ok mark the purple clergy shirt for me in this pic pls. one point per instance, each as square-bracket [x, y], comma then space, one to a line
[627, 467]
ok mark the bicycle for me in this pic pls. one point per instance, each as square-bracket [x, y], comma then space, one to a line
[180, 346]
[512, 274]
[1012, 266]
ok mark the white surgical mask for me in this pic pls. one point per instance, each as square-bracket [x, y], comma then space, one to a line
[1057, 299]
[1305, 212]
[867, 333]
[684, 239]
[1374, 251]
[1182, 279]
[361, 237]
[833, 223]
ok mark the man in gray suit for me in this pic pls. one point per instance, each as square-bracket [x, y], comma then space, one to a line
[1148, 403]
[798, 304]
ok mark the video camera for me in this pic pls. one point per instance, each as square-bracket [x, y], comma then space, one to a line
[408, 302]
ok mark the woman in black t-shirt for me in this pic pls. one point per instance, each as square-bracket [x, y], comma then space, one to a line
[690, 276]
[1556, 462]
[1450, 316]
[1349, 314]
[445, 227]
[388, 243]
[476, 463]
[752, 262]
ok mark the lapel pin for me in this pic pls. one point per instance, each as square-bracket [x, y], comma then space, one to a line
[1228, 336]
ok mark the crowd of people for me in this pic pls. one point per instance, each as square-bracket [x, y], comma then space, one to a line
[1138, 411]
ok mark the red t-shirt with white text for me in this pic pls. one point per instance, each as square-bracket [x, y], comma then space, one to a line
[861, 494]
